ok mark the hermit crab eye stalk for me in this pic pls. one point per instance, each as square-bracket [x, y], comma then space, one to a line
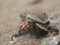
[22, 16]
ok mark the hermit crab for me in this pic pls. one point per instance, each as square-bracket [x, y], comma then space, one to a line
[36, 23]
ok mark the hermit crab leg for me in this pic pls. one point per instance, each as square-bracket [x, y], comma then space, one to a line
[24, 27]
[40, 26]
[21, 30]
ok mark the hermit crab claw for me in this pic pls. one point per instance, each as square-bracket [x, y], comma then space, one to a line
[13, 39]
[14, 36]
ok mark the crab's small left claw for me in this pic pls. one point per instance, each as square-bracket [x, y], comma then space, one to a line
[14, 36]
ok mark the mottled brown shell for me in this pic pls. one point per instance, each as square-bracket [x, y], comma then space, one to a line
[38, 16]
